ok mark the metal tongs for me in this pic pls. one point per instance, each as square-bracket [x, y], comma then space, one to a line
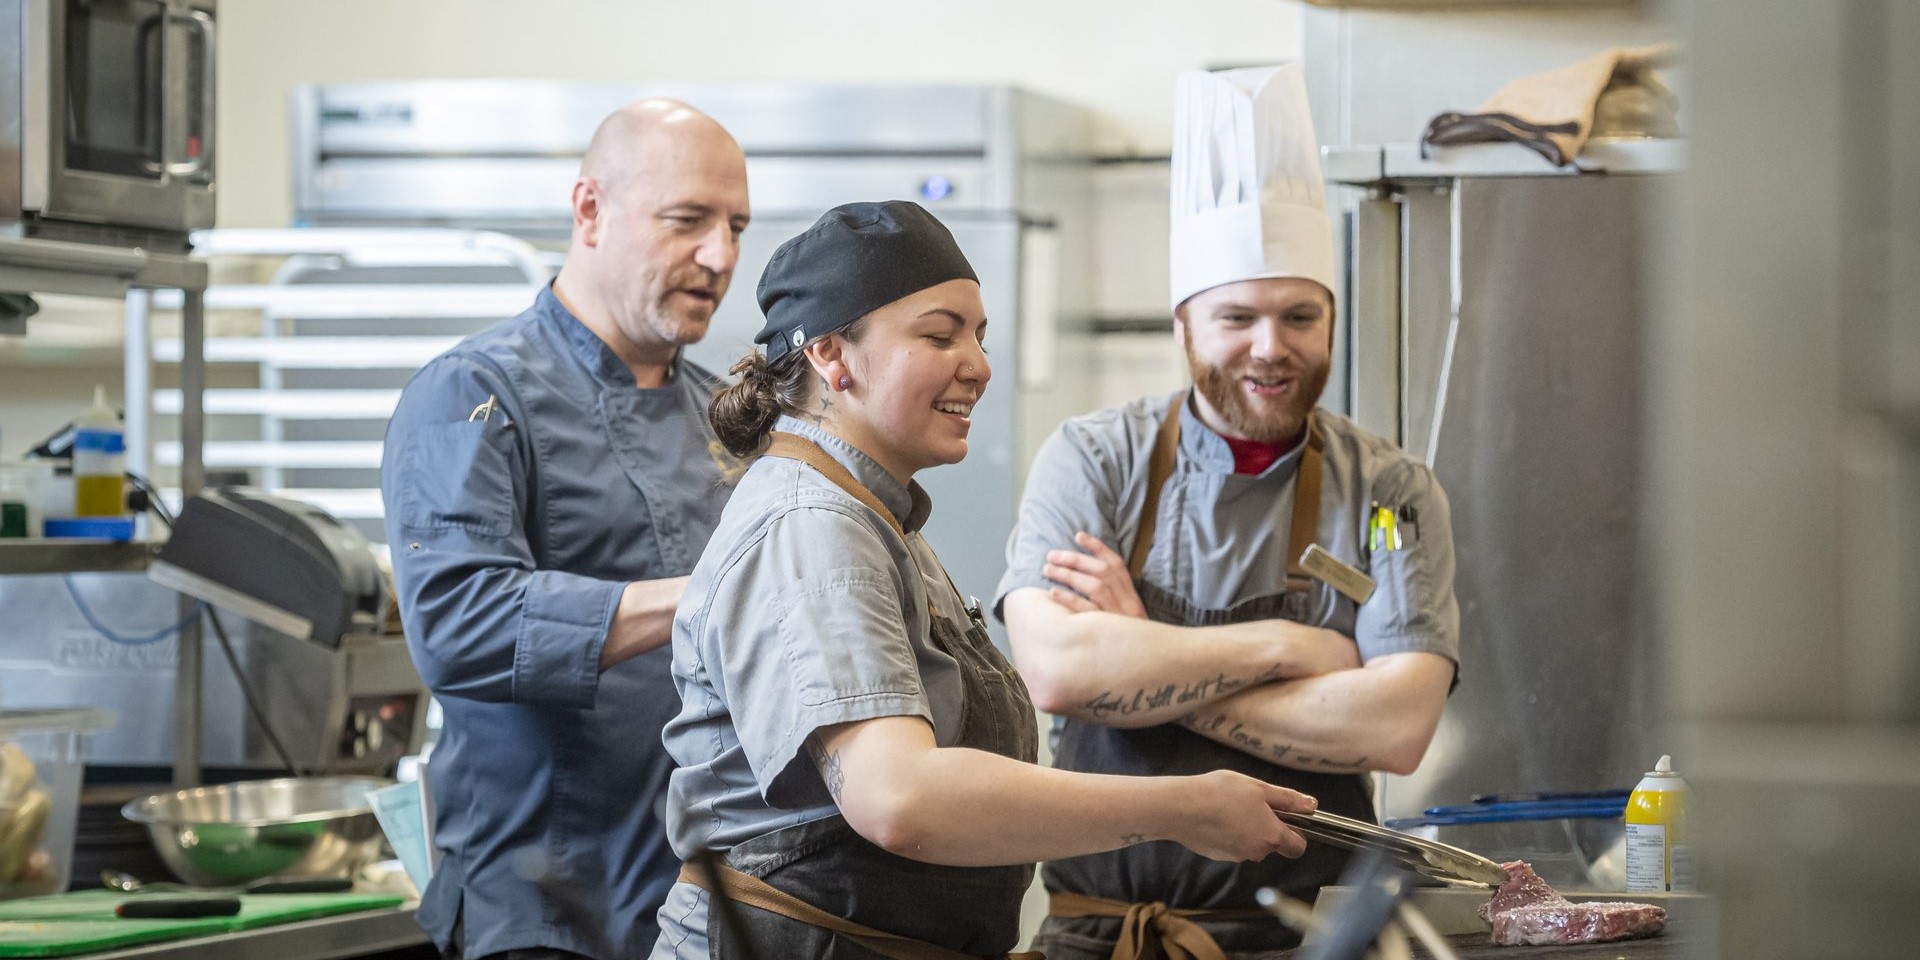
[1377, 923]
[1425, 857]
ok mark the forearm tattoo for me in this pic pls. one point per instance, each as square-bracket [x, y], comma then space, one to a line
[1109, 703]
[1216, 726]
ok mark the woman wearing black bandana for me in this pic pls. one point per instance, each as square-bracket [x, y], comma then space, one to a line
[856, 758]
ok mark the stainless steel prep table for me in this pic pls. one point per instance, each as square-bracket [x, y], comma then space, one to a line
[339, 937]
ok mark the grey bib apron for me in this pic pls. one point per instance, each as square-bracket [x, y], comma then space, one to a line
[1164, 872]
[925, 910]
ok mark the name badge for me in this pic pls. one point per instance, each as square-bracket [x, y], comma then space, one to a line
[1344, 577]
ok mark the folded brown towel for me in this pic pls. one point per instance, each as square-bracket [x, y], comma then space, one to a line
[1614, 92]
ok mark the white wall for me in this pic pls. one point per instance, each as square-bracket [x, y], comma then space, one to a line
[1116, 56]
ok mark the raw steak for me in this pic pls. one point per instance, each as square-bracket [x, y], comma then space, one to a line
[1527, 912]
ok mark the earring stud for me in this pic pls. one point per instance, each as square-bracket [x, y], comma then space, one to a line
[845, 382]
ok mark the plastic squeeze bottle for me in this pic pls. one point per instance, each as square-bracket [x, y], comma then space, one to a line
[99, 461]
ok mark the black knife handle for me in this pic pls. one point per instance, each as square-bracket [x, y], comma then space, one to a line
[301, 885]
[177, 908]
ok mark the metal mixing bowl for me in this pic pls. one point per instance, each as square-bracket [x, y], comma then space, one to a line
[239, 832]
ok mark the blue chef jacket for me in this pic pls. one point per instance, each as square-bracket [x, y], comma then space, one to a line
[513, 533]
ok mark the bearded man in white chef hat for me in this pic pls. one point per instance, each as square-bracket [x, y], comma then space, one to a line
[1230, 578]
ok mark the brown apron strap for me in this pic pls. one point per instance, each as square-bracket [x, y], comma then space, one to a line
[1166, 452]
[1305, 528]
[806, 451]
[1149, 930]
[794, 447]
[1301, 532]
[754, 892]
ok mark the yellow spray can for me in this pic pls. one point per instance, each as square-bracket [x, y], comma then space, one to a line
[1658, 858]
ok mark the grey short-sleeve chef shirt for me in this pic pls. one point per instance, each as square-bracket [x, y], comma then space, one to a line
[1222, 537]
[805, 611]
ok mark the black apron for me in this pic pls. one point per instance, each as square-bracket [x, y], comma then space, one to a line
[973, 911]
[1163, 871]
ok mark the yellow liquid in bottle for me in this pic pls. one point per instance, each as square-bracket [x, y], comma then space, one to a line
[99, 496]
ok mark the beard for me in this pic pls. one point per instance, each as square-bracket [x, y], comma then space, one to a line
[677, 320]
[1263, 421]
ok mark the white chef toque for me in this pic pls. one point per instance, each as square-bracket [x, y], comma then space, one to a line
[1248, 200]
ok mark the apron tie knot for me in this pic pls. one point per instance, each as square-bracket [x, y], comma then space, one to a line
[1150, 931]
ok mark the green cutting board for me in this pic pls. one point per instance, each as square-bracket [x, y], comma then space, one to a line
[82, 922]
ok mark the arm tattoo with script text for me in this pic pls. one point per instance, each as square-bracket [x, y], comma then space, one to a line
[1108, 703]
[1215, 727]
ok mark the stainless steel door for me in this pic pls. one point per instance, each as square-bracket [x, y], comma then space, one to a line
[1538, 442]
[115, 56]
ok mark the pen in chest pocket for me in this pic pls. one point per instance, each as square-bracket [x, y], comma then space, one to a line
[1383, 531]
[484, 412]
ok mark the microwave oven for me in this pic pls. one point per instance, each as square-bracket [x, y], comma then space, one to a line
[107, 119]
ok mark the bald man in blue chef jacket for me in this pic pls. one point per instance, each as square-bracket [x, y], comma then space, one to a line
[549, 483]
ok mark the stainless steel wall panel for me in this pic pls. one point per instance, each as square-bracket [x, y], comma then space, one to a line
[51, 657]
[1373, 315]
[1377, 74]
[1427, 296]
[1539, 455]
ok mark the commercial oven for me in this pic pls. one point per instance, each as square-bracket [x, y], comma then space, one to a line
[107, 119]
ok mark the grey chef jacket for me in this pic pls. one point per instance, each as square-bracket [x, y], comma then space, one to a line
[512, 538]
[1222, 537]
[805, 611]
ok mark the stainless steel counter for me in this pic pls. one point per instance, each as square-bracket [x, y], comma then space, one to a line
[1679, 941]
[326, 938]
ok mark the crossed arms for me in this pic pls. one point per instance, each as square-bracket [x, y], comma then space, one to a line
[1285, 692]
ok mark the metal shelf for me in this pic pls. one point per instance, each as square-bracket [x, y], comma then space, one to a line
[91, 270]
[347, 316]
[1369, 164]
[289, 404]
[317, 353]
[36, 266]
[365, 301]
[310, 455]
[39, 556]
